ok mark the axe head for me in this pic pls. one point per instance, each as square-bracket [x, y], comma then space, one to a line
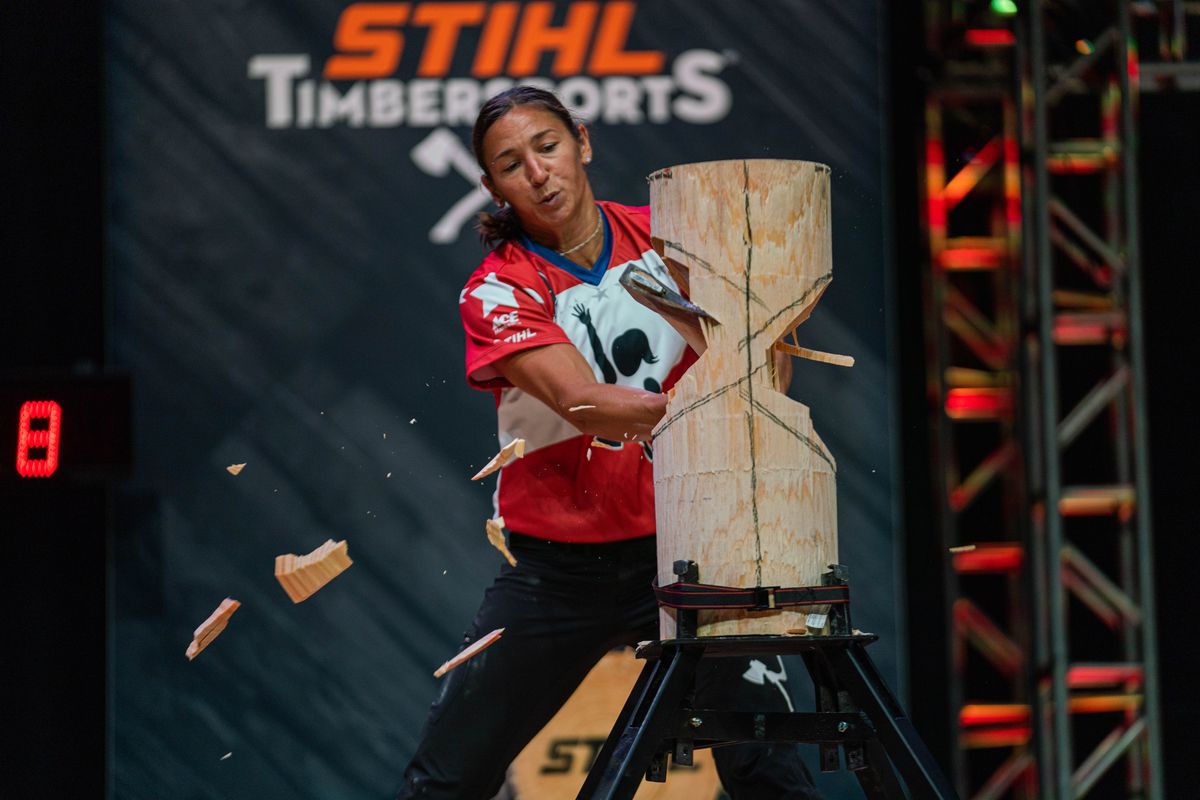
[437, 152]
[682, 314]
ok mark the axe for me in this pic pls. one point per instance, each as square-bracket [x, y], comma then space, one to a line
[435, 155]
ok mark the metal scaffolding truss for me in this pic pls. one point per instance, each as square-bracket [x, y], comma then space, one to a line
[973, 228]
[1037, 396]
[1086, 446]
[1167, 36]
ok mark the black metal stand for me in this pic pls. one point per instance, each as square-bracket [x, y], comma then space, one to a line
[855, 712]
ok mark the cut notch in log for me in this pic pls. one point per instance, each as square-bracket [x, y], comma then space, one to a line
[303, 576]
[208, 630]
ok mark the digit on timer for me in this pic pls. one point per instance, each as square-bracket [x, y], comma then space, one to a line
[38, 438]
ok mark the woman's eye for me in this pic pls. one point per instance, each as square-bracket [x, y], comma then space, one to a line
[549, 147]
[511, 166]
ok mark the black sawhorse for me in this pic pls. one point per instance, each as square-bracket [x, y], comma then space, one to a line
[855, 712]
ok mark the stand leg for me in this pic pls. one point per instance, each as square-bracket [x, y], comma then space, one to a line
[855, 671]
[646, 720]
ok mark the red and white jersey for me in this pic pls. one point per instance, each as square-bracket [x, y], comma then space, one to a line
[524, 296]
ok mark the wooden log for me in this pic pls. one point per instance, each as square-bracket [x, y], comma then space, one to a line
[203, 636]
[743, 484]
[303, 576]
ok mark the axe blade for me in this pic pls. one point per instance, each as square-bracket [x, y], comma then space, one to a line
[683, 315]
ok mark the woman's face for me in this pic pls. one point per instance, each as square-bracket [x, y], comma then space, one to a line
[535, 164]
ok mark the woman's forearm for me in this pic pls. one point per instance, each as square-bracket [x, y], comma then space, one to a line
[619, 413]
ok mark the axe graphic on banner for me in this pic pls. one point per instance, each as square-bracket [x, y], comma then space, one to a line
[436, 155]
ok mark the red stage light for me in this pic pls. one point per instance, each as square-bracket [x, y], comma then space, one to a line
[29, 438]
[979, 403]
[990, 37]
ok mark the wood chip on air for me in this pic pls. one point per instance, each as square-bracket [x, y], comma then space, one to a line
[470, 652]
[303, 576]
[234, 469]
[203, 636]
[495, 534]
[514, 449]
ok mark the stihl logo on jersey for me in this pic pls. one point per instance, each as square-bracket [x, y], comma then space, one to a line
[521, 336]
[497, 44]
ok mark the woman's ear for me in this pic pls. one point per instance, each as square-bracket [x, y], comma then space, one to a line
[585, 145]
[487, 184]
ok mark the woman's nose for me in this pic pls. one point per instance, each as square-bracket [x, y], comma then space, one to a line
[537, 173]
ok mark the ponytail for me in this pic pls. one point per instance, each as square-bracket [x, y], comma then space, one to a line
[502, 226]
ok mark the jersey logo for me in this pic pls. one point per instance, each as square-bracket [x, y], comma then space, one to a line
[502, 321]
[629, 351]
[494, 292]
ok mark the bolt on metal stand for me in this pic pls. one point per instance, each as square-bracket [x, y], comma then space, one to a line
[856, 712]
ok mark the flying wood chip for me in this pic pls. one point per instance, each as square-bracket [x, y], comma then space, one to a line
[303, 576]
[211, 627]
[515, 448]
[495, 534]
[579, 408]
[469, 653]
[234, 469]
[963, 548]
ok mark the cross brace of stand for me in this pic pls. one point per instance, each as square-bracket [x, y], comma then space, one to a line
[856, 713]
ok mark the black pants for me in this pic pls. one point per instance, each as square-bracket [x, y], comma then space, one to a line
[563, 607]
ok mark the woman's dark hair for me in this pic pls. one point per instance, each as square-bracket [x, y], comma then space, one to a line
[503, 224]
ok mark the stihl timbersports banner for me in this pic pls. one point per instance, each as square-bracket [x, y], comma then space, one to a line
[291, 197]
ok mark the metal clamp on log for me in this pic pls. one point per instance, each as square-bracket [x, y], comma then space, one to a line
[759, 598]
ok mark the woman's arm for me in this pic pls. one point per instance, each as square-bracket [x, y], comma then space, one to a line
[558, 376]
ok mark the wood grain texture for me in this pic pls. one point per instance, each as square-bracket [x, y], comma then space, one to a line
[211, 628]
[743, 484]
[303, 576]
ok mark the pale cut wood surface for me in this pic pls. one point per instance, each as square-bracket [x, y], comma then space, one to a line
[303, 576]
[495, 534]
[553, 766]
[208, 630]
[743, 484]
[474, 649]
[815, 355]
[514, 449]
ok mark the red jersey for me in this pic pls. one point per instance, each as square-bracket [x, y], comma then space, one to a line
[524, 295]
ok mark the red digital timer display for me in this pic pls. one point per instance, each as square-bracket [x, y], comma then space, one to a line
[73, 427]
[38, 436]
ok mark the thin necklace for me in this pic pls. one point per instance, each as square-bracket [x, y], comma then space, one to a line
[599, 224]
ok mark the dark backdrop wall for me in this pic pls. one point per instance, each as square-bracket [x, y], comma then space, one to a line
[285, 253]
